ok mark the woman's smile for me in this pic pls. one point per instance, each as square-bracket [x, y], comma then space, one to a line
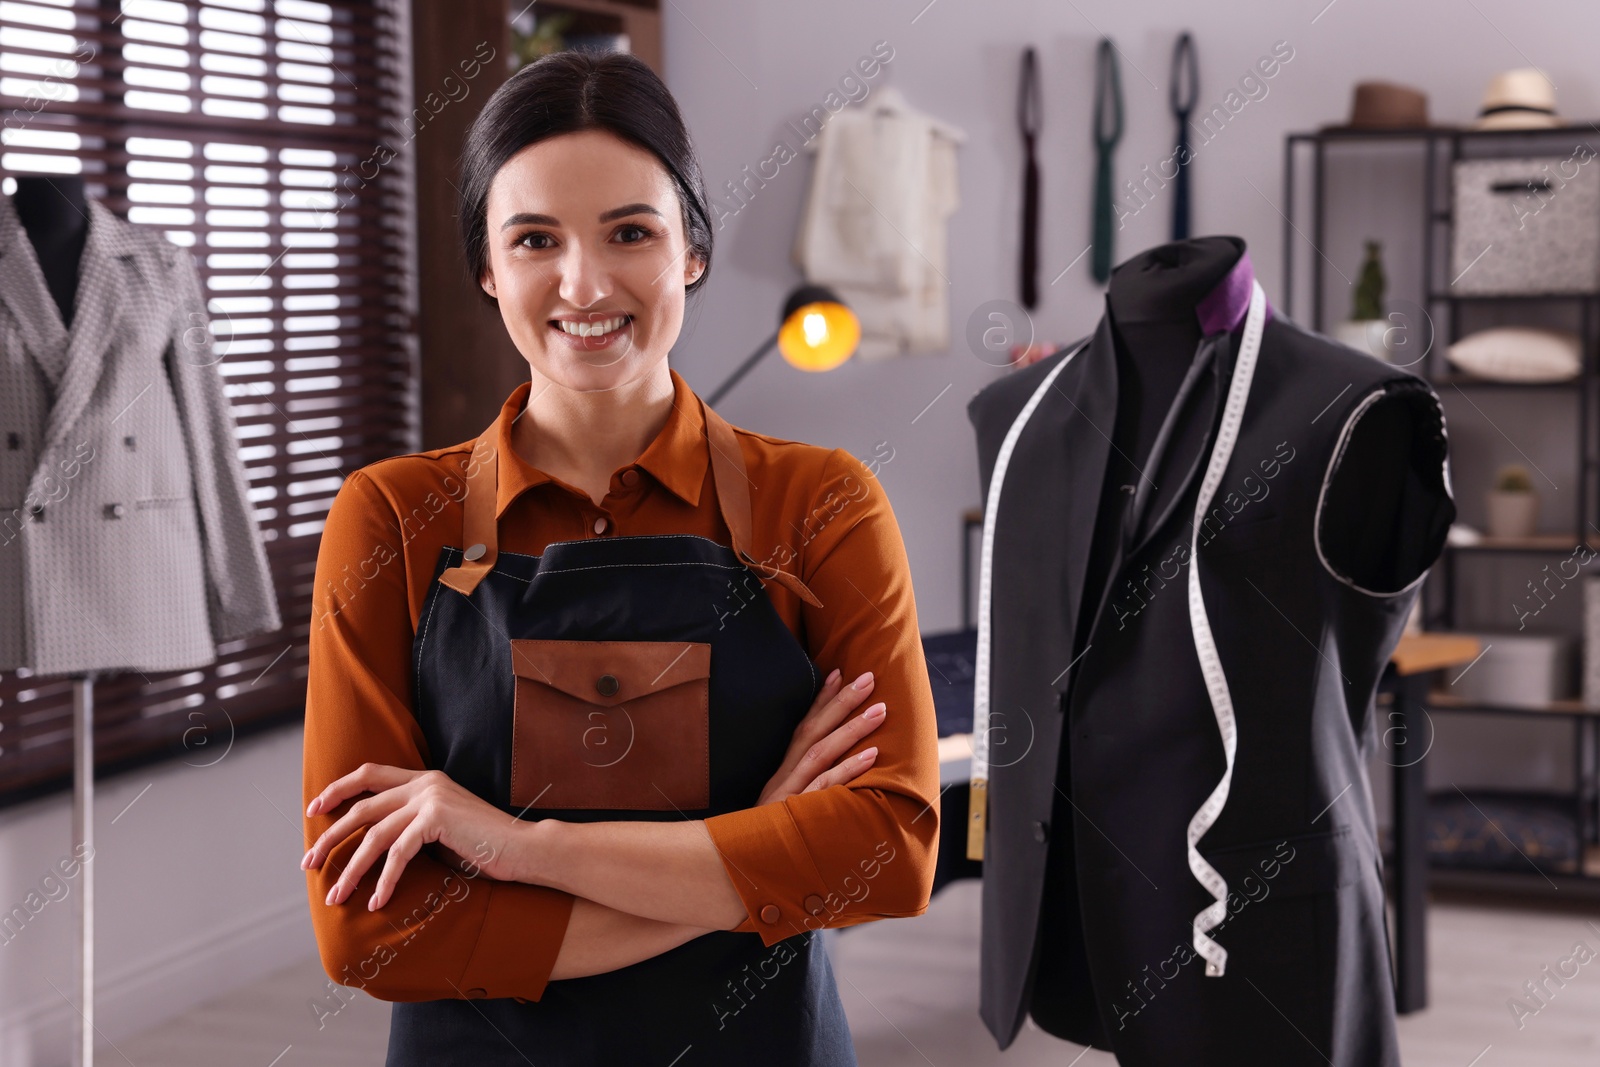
[592, 334]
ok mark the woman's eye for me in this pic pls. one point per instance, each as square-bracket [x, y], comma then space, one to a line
[534, 235]
[640, 230]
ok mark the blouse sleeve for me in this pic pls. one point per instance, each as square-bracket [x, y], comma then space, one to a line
[866, 850]
[443, 934]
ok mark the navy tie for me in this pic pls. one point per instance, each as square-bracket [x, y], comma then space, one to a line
[1183, 50]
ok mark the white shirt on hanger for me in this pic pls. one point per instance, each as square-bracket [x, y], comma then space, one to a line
[874, 225]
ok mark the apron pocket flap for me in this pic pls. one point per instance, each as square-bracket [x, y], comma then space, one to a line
[608, 673]
[611, 725]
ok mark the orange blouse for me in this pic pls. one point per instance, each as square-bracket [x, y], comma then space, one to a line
[829, 858]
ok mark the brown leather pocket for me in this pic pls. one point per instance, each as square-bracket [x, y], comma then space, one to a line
[611, 724]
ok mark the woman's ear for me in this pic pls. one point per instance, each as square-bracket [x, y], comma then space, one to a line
[487, 281]
[693, 267]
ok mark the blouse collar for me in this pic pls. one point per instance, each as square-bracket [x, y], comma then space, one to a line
[677, 458]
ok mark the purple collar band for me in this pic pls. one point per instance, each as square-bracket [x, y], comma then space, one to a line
[1225, 307]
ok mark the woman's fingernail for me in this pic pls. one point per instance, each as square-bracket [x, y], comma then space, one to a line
[863, 681]
[834, 677]
[306, 859]
[867, 754]
[875, 712]
[331, 893]
[311, 809]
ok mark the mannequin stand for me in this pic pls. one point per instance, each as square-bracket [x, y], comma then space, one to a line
[83, 834]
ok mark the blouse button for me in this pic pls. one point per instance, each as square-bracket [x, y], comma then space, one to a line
[770, 913]
[630, 477]
[601, 524]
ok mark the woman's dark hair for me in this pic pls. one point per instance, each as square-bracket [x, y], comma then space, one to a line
[563, 93]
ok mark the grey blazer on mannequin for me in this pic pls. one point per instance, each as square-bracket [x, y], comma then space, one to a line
[127, 541]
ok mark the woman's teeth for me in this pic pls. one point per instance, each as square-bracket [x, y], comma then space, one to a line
[591, 329]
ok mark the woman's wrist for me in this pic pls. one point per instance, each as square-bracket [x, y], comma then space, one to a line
[530, 848]
[663, 871]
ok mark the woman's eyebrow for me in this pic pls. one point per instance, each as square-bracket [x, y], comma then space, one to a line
[528, 219]
[629, 209]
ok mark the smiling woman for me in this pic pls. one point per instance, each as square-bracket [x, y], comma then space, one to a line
[639, 807]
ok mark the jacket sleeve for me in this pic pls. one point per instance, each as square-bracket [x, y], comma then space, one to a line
[443, 934]
[866, 850]
[239, 584]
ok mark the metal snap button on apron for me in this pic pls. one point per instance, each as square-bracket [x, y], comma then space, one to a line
[600, 524]
[770, 913]
[630, 478]
[608, 685]
[814, 904]
[474, 553]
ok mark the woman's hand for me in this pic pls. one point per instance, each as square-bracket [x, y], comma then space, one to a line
[819, 740]
[411, 809]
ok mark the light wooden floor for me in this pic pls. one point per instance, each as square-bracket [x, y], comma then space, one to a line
[910, 987]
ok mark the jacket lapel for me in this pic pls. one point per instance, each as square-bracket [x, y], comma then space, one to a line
[1073, 439]
[102, 291]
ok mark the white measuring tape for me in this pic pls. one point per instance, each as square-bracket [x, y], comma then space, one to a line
[1205, 645]
[980, 693]
[1216, 682]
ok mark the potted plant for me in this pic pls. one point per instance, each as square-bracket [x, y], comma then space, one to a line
[1367, 329]
[1513, 505]
[544, 36]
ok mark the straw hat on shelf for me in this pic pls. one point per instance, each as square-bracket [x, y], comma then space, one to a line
[1518, 100]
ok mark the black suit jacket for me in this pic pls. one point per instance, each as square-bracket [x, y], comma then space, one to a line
[1103, 742]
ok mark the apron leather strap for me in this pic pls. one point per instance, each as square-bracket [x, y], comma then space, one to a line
[478, 521]
[733, 497]
[732, 484]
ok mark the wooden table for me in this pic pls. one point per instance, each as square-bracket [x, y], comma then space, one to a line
[1408, 678]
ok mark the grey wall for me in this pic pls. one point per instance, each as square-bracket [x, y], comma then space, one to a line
[742, 71]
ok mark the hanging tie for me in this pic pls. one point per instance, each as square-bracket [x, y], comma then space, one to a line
[1108, 89]
[1183, 62]
[1028, 107]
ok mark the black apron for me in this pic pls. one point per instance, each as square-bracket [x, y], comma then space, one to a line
[641, 677]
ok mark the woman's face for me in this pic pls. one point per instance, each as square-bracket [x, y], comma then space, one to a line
[586, 233]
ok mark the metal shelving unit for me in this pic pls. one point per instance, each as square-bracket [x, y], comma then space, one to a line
[1450, 143]
[1441, 148]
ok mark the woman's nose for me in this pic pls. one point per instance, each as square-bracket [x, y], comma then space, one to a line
[585, 278]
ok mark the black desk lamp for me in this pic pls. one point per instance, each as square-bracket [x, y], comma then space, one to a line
[815, 332]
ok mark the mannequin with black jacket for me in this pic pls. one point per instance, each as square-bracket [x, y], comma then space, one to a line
[1330, 506]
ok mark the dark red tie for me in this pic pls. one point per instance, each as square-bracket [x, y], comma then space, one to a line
[1028, 108]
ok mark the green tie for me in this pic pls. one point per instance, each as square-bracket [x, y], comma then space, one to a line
[1106, 83]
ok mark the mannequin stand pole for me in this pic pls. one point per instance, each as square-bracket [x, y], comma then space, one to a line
[83, 844]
